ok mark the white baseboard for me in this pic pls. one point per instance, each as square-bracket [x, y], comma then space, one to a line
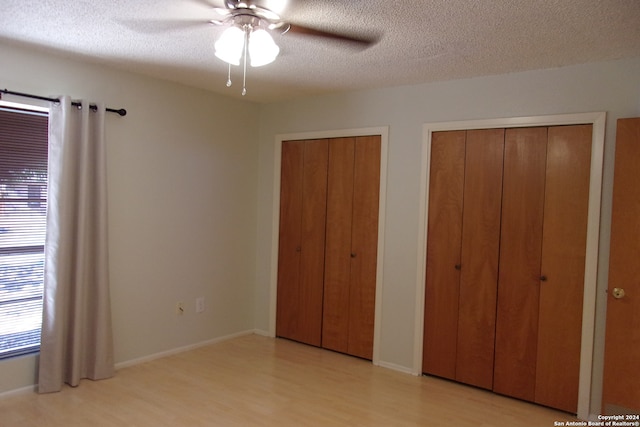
[171, 352]
[19, 391]
[262, 333]
[393, 366]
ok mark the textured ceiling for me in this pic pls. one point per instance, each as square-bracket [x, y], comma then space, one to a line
[420, 41]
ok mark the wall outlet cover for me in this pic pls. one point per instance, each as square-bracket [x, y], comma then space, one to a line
[199, 304]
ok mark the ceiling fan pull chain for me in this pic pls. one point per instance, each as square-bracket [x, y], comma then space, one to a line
[244, 55]
[229, 77]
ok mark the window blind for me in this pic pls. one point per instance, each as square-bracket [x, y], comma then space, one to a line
[23, 207]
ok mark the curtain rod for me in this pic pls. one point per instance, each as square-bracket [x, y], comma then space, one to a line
[121, 111]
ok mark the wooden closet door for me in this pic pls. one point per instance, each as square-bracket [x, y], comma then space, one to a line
[563, 263]
[337, 272]
[364, 245]
[444, 237]
[351, 245]
[621, 388]
[520, 258]
[288, 293]
[300, 302]
[480, 250]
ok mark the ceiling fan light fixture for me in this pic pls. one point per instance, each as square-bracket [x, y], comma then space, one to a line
[247, 41]
[230, 45]
[262, 49]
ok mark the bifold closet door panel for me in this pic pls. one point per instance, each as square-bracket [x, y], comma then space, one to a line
[479, 259]
[563, 263]
[314, 211]
[366, 197]
[520, 252]
[444, 237]
[337, 272]
[288, 292]
[301, 304]
[621, 383]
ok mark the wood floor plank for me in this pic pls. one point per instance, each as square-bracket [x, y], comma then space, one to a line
[259, 381]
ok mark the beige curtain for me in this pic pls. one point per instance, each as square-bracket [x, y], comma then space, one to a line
[76, 329]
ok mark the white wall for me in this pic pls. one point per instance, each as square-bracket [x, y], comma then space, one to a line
[613, 87]
[182, 186]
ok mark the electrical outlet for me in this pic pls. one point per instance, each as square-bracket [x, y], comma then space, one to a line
[180, 308]
[199, 304]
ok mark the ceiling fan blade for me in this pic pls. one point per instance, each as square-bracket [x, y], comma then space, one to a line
[206, 3]
[162, 26]
[356, 39]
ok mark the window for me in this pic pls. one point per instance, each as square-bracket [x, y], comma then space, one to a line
[23, 206]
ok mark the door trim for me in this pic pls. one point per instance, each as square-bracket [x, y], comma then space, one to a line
[597, 119]
[383, 132]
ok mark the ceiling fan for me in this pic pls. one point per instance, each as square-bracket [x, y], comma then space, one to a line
[243, 12]
[249, 25]
[247, 34]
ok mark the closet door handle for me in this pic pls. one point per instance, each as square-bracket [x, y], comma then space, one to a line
[543, 278]
[353, 255]
[458, 267]
[618, 293]
[298, 249]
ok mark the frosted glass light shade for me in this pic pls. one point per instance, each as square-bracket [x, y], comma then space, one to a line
[230, 45]
[262, 49]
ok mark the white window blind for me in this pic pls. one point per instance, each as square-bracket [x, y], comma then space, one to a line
[23, 206]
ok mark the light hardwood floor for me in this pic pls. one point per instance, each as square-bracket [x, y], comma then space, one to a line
[259, 381]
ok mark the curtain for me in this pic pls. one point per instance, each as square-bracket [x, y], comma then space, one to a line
[76, 340]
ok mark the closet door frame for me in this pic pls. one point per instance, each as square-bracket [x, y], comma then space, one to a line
[383, 132]
[597, 120]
